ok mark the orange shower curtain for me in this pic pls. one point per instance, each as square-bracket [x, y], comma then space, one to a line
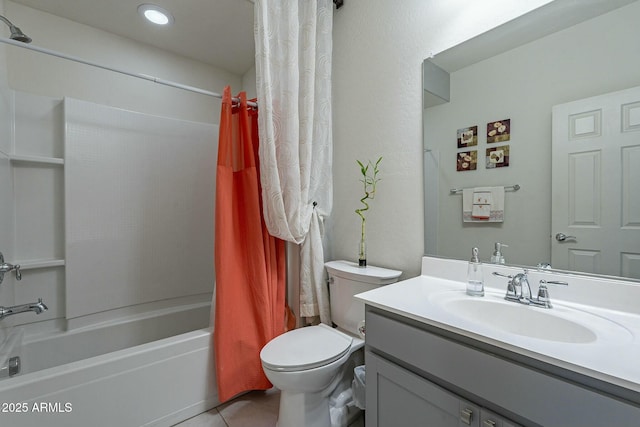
[250, 263]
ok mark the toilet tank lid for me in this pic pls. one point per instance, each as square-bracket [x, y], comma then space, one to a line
[369, 274]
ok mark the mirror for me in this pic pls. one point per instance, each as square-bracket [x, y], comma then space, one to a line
[556, 54]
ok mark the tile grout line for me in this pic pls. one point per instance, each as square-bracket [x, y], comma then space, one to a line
[222, 417]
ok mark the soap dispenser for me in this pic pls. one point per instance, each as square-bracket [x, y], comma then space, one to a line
[475, 279]
[497, 257]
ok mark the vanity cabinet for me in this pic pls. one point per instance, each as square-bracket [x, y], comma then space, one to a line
[422, 375]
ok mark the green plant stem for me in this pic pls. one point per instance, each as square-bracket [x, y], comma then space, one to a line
[369, 182]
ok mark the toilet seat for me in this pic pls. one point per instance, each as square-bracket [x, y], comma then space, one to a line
[305, 348]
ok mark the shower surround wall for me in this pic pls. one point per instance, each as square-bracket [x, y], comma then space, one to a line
[6, 207]
[113, 209]
[139, 208]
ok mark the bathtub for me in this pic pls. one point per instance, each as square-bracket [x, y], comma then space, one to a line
[151, 369]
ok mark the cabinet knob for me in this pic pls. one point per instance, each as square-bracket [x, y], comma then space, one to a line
[489, 423]
[466, 416]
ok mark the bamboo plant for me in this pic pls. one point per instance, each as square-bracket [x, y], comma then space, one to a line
[369, 180]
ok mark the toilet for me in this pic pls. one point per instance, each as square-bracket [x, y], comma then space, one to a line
[313, 366]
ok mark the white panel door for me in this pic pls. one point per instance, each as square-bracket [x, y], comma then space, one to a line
[595, 220]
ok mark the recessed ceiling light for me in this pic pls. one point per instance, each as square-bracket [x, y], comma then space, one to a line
[155, 14]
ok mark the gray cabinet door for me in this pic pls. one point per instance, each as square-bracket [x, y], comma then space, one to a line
[397, 397]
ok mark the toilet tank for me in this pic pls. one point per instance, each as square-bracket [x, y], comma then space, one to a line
[347, 279]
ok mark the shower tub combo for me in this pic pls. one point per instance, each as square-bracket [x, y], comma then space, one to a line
[105, 346]
[124, 342]
[149, 369]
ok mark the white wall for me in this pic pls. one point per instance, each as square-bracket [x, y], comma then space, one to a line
[523, 84]
[249, 83]
[378, 49]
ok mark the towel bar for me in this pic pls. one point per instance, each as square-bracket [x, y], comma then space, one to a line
[514, 187]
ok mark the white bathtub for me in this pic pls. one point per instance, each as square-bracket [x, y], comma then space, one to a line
[130, 372]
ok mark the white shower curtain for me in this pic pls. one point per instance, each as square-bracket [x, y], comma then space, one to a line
[293, 69]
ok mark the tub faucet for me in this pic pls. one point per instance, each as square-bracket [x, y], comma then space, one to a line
[37, 307]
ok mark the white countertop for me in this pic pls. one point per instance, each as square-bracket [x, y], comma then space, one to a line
[613, 358]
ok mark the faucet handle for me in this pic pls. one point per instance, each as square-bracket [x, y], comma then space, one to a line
[512, 291]
[508, 276]
[543, 299]
[553, 282]
[511, 276]
[512, 294]
[6, 267]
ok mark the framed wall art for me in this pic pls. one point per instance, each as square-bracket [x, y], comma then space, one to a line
[497, 157]
[467, 137]
[467, 161]
[499, 131]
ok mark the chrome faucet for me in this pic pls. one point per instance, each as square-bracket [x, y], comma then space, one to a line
[519, 290]
[36, 307]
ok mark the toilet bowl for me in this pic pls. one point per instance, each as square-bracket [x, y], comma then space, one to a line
[305, 364]
[313, 366]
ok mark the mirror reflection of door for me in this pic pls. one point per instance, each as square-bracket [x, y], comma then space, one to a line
[596, 163]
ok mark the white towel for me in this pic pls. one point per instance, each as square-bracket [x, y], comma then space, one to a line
[481, 205]
[478, 206]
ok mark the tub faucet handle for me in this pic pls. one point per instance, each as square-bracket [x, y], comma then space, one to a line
[5, 267]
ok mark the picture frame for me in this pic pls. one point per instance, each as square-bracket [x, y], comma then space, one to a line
[499, 131]
[467, 161]
[467, 137]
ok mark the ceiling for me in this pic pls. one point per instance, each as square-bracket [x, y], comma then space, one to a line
[216, 32]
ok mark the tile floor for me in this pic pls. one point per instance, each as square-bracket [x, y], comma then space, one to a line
[254, 409]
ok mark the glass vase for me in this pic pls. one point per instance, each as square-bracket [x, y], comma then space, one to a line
[362, 253]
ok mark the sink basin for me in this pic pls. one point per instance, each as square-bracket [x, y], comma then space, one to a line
[559, 324]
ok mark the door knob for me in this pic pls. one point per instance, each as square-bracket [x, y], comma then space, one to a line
[561, 237]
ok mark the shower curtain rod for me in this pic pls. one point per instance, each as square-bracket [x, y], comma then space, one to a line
[117, 70]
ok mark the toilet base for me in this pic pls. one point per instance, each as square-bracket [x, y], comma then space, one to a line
[331, 407]
[303, 409]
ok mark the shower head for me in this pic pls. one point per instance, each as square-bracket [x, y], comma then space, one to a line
[16, 33]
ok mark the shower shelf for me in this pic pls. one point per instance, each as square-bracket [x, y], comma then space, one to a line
[41, 263]
[37, 159]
